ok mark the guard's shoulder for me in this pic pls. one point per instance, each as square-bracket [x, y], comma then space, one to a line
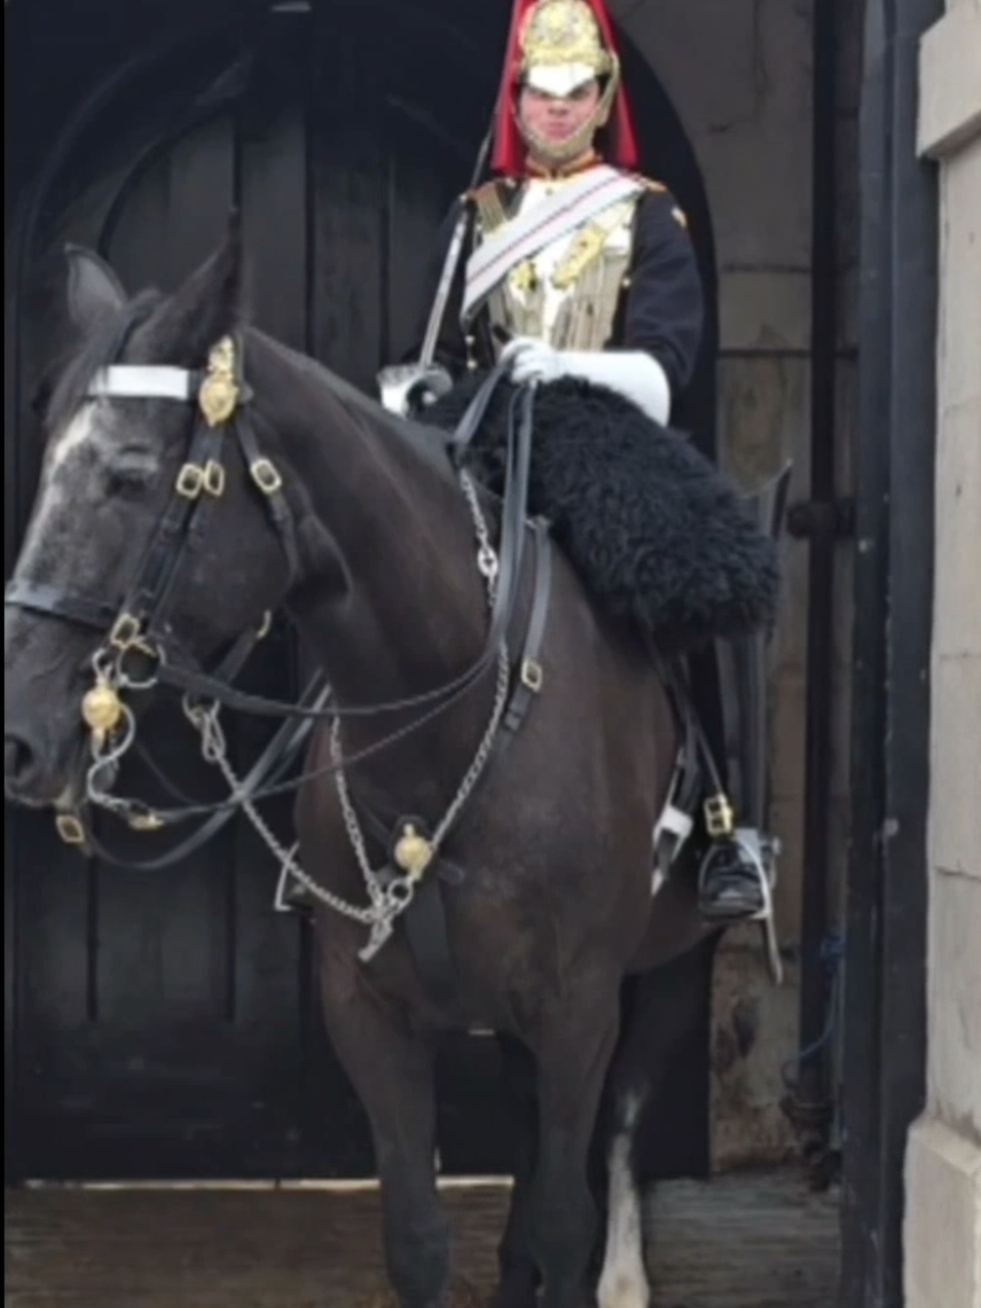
[492, 202]
[668, 205]
[490, 191]
[651, 184]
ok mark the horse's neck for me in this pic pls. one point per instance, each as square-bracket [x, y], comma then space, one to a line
[413, 614]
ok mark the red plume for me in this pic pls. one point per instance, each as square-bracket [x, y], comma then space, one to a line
[510, 152]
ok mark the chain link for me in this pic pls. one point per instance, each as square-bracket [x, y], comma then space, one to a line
[393, 899]
[389, 899]
[487, 561]
[106, 757]
[214, 750]
[484, 750]
[394, 907]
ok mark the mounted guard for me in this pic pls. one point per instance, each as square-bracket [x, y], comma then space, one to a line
[572, 267]
[243, 478]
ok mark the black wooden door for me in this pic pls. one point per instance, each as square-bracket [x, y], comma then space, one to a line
[167, 1025]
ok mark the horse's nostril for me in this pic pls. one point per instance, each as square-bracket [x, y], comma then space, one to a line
[18, 761]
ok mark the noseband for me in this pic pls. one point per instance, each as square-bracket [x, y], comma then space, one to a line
[139, 650]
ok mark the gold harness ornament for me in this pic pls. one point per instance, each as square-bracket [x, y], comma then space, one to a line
[102, 710]
[413, 853]
[220, 392]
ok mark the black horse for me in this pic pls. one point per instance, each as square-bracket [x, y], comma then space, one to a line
[355, 522]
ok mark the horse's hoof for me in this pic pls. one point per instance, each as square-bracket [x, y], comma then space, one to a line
[462, 1295]
[515, 1292]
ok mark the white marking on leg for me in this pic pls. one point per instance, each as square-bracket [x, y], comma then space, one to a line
[623, 1283]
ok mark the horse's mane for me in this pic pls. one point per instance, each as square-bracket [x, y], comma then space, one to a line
[363, 410]
[99, 349]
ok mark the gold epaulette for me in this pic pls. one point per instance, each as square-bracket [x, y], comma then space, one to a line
[490, 208]
[649, 184]
[658, 188]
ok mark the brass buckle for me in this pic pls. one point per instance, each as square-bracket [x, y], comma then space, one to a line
[214, 479]
[720, 820]
[194, 481]
[144, 822]
[139, 645]
[190, 481]
[265, 476]
[70, 829]
[126, 632]
[532, 675]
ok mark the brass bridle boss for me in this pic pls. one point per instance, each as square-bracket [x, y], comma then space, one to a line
[103, 710]
[218, 398]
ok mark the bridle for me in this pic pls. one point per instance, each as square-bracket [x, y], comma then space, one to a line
[139, 650]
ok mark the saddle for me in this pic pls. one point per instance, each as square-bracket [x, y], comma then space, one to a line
[657, 534]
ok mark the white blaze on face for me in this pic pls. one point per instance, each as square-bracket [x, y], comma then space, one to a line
[624, 1283]
[56, 488]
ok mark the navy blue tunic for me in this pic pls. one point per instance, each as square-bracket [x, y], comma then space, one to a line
[661, 307]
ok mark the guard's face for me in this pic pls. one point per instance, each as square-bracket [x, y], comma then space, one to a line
[556, 119]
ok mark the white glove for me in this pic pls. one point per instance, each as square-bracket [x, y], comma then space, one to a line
[633, 373]
[532, 360]
[407, 387]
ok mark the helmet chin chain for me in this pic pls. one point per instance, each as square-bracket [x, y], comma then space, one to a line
[557, 154]
[112, 728]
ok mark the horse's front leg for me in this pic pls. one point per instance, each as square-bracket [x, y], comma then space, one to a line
[576, 1041]
[519, 1281]
[391, 1069]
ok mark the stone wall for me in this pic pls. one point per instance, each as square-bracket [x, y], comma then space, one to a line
[739, 73]
[943, 1216]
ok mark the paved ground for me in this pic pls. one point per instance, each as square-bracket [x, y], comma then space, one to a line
[757, 1241]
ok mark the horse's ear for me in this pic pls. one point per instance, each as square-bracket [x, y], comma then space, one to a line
[94, 290]
[207, 307]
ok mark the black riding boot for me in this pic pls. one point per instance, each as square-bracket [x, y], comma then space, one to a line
[733, 881]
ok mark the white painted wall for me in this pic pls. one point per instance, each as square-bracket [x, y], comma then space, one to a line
[943, 1223]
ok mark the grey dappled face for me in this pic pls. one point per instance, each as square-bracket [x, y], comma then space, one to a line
[102, 490]
[90, 515]
[108, 475]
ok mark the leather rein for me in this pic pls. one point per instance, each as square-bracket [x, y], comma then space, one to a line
[138, 651]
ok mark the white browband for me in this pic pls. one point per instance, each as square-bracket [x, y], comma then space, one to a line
[144, 382]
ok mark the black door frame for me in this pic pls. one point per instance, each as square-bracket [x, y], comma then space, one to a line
[885, 999]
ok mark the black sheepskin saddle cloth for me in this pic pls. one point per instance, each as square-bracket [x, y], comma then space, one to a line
[656, 532]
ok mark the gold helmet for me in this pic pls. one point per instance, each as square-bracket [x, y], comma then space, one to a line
[562, 48]
[556, 47]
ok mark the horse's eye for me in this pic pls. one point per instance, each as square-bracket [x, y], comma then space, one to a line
[130, 473]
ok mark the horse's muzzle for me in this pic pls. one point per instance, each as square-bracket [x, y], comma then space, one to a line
[32, 776]
[23, 769]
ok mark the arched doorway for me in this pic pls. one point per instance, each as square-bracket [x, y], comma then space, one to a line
[167, 1026]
